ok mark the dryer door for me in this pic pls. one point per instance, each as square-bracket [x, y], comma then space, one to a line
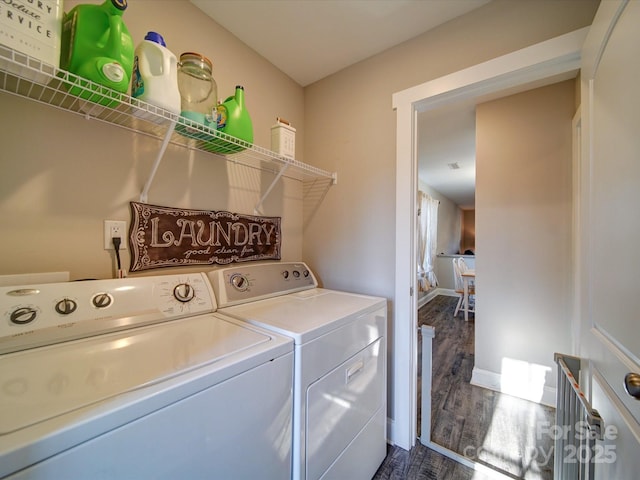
[341, 404]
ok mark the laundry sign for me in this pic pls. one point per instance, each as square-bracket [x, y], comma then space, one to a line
[178, 237]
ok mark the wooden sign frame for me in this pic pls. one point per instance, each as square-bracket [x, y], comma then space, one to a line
[178, 237]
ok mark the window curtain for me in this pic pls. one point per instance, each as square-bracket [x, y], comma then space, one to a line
[427, 240]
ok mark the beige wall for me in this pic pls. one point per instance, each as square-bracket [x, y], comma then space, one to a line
[523, 225]
[350, 127]
[63, 175]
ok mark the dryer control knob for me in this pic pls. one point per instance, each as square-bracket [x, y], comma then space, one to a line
[184, 292]
[239, 282]
[102, 300]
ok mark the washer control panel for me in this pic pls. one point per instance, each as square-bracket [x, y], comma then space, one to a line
[37, 315]
[248, 283]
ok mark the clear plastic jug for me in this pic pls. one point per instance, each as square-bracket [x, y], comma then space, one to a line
[198, 89]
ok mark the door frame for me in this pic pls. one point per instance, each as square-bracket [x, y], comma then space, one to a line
[548, 59]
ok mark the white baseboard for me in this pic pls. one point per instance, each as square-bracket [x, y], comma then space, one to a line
[422, 301]
[493, 381]
[447, 292]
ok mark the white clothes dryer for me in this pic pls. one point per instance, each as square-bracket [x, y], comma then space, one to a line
[139, 378]
[339, 409]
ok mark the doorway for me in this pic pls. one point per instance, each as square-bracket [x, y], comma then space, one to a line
[524, 211]
[538, 63]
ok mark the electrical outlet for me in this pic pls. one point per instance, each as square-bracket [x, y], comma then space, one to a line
[114, 228]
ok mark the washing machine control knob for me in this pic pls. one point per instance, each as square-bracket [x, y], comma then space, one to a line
[66, 306]
[285, 274]
[184, 292]
[239, 282]
[23, 315]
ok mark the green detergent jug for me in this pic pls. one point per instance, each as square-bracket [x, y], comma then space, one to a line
[96, 45]
[234, 120]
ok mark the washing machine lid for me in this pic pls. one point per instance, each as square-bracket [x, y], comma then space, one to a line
[306, 315]
[42, 383]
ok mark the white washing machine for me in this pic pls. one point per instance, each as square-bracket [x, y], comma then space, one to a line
[139, 378]
[339, 409]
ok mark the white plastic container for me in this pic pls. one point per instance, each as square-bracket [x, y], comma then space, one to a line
[283, 139]
[155, 74]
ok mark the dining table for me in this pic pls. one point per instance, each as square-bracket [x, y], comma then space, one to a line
[468, 276]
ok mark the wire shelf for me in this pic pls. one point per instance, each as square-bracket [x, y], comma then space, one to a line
[27, 77]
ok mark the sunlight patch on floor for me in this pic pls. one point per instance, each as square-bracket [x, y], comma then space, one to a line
[523, 379]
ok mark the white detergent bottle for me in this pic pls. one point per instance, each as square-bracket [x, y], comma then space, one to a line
[155, 74]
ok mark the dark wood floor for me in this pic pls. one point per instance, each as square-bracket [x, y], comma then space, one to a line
[494, 429]
[422, 463]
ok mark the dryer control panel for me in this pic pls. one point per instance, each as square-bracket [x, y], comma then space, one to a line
[247, 283]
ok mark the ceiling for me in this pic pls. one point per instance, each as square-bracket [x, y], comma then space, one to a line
[447, 135]
[447, 152]
[312, 39]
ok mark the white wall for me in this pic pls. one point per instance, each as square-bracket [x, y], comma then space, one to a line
[449, 222]
[449, 228]
[444, 265]
[523, 225]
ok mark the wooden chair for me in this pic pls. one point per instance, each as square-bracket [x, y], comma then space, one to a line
[460, 266]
